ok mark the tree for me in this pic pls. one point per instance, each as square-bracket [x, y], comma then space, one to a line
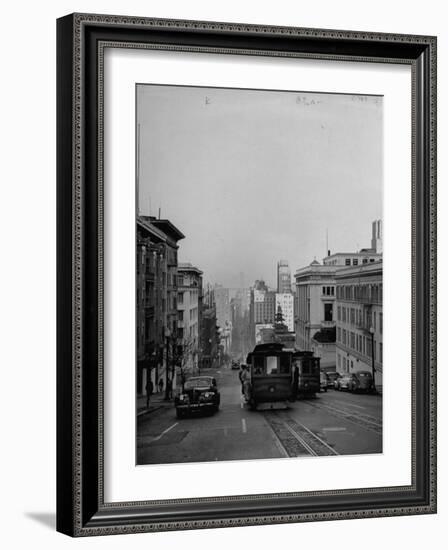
[185, 351]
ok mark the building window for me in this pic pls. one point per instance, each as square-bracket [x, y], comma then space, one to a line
[347, 261]
[180, 298]
[381, 352]
[381, 323]
[339, 313]
[355, 261]
[180, 315]
[328, 312]
[364, 260]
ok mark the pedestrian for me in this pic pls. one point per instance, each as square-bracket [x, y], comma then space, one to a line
[240, 376]
[245, 380]
[295, 382]
[169, 388]
[160, 385]
[149, 390]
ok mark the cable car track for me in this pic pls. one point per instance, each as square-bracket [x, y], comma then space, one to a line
[366, 421]
[295, 438]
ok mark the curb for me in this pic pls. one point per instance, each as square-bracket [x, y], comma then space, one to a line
[152, 409]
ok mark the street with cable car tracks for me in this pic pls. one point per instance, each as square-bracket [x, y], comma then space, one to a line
[330, 424]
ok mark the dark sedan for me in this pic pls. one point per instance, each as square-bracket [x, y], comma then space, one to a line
[199, 393]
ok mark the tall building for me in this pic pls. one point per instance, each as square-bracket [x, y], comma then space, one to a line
[264, 306]
[283, 277]
[359, 319]
[173, 235]
[209, 338]
[377, 236]
[315, 322]
[315, 296]
[189, 311]
[262, 311]
[156, 295]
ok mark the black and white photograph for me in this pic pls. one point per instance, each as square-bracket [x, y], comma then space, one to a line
[259, 274]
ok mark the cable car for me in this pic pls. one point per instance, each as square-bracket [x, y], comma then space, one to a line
[267, 380]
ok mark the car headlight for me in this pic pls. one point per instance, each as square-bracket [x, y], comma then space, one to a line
[208, 395]
[183, 397]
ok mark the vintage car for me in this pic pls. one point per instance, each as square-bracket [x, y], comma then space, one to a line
[363, 381]
[332, 379]
[345, 382]
[355, 382]
[199, 393]
[323, 381]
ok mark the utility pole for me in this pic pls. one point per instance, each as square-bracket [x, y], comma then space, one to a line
[167, 339]
[372, 334]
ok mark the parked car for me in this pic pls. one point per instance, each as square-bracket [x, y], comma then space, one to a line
[332, 379]
[199, 393]
[355, 381]
[362, 381]
[345, 382]
[323, 381]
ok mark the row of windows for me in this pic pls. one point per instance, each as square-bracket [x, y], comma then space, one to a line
[328, 290]
[344, 364]
[180, 295]
[361, 318]
[186, 281]
[360, 343]
[355, 261]
[369, 293]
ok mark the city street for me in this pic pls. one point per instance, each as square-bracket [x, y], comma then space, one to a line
[334, 423]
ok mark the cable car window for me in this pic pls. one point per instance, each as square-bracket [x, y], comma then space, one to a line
[258, 364]
[271, 365]
[284, 364]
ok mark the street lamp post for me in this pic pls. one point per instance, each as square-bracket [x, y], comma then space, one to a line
[372, 334]
[167, 339]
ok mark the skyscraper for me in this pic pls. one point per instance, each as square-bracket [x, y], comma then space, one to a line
[283, 277]
[377, 236]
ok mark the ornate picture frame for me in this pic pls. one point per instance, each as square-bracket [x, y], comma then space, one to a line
[81, 506]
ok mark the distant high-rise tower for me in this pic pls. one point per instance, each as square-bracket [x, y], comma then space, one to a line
[283, 277]
[377, 236]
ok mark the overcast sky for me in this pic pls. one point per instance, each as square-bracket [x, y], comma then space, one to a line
[253, 176]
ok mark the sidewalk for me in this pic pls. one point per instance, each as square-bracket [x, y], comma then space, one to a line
[156, 402]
